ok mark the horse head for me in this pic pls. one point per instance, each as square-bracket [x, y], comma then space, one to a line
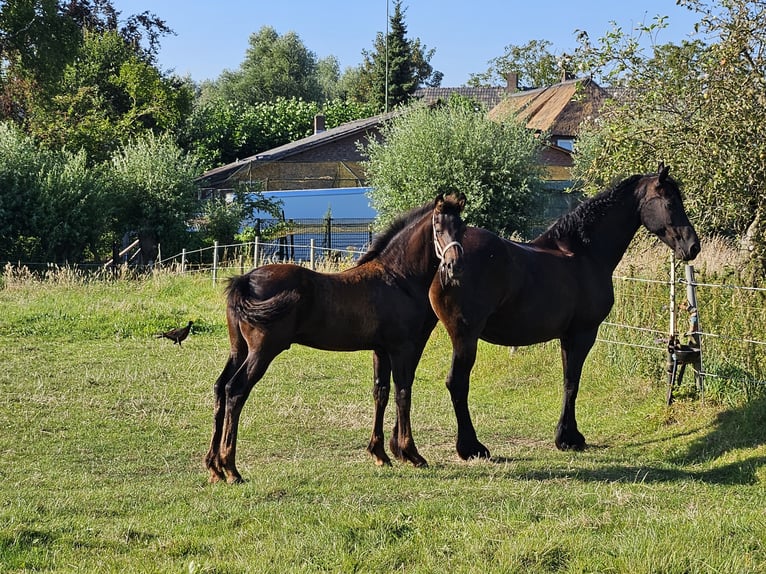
[662, 213]
[448, 228]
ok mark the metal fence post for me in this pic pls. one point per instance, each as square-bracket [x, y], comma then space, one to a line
[672, 365]
[694, 328]
[256, 252]
[183, 260]
[311, 255]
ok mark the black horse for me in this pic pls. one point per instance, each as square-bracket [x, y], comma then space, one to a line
[559, 286]
[380, 304]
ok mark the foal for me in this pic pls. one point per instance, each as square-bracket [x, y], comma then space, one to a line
[380, 304]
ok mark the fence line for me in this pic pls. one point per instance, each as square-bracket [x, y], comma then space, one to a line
[258, 252]
[721, 286]
[352, 252]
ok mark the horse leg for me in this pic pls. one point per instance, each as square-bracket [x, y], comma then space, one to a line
[234, 368]
[382, 372]
[463, 359]
[574, 350]
[212, 460]
[402, 442]
[237, 391]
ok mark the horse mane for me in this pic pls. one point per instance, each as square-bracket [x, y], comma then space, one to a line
[383, 240]
[574, 228]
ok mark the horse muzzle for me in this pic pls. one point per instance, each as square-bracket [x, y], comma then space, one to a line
[450, 271]
[687, 245]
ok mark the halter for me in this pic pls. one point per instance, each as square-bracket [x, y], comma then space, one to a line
[440, 251]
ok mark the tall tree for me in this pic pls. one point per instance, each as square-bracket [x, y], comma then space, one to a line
[106, 96]
[274, 66]
[39, 38]
[396, 67]
[533, 62]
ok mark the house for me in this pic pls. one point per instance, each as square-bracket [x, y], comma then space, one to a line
[323, 173]
[319, 173]
[558, 111]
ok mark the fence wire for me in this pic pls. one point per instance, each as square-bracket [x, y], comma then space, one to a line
[639, 318]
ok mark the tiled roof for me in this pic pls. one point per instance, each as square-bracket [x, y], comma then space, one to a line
[224, 172]
[489, 97]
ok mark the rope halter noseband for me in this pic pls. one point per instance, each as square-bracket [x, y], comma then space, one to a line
[440, 251]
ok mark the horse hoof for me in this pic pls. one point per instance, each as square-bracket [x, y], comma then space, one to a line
[577, 445]
[477, 451]
[415, 459]
[384, 461]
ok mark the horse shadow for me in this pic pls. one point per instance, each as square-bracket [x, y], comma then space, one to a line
[739, 428]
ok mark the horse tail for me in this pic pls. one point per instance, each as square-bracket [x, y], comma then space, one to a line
[246, 306]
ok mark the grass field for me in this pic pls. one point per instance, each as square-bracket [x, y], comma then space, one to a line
[104, 428]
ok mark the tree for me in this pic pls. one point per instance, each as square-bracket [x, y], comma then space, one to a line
[403, 63]
[328, 76]
[40, 38]
[455, 149]
[274, 66]
[154, 192]
[534, 63]
[37, 38]
[53, 206]
[107, 96]
[699, 106]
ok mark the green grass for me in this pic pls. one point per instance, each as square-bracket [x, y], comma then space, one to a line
[104, 428]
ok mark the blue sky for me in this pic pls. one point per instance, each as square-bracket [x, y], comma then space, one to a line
[213, 36]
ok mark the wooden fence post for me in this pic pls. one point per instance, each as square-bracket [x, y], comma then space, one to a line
[215, 261]
[672, 338]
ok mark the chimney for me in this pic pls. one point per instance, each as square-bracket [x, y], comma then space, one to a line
[319, 124]
[512, 79]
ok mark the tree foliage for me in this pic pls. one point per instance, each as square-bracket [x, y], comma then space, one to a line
[53, 207]
[534, 63]
[275, 66]
[40, 38]
[398, 62]
[700, 106]
[455, 149]
[154, 190]
[107, 96]
[220, 133]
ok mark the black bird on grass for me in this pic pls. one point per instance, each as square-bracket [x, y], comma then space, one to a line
[177, 335]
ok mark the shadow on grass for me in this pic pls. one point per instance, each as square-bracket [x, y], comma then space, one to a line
[740, 428]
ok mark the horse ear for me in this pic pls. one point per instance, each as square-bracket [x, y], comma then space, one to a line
[663, 171]
[461, 199]
[439, 202]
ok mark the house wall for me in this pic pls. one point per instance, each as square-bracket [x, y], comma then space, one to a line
[316, 168]
[304, 175]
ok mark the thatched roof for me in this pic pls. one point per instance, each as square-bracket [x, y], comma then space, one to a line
[557, 109]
